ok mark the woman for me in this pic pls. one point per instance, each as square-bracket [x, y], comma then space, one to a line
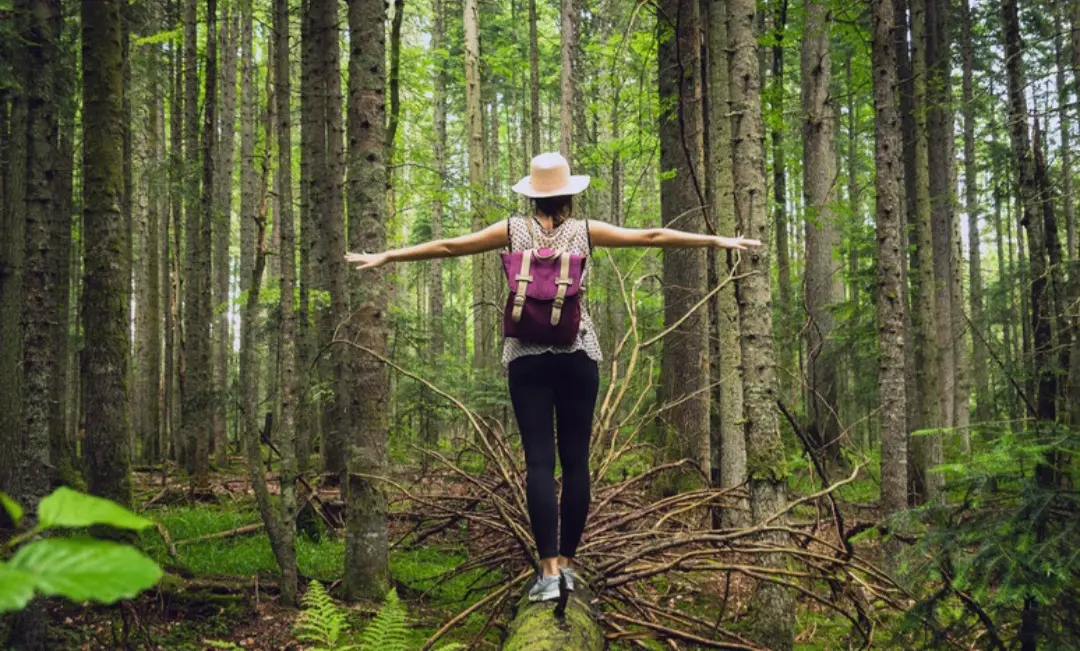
[549, 382]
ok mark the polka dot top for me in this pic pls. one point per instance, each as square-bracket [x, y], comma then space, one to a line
[572, 236]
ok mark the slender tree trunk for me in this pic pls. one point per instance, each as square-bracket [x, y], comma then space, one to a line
[194, 393]
[822, 263]
[201, 338]
[939, 155]
[395, 81]
[62, 453]
[105, 317]
[774, 606]
[367, 572]
[725, 356]
[978, 353]
[222, 219]
[789, 348]
[174, 309]
[308, 420]
[331, 236]
[569, 46]
[890, 248]
[436, 300]
[249, 373]
[925, 448]
[685, 364]
[534, 80]
[156, 277]
[482, 343]
[285, 547]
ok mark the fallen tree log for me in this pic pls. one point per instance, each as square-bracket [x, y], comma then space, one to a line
[541, 627]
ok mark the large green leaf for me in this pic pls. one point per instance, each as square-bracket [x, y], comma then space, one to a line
[16, 589]
[83, 569]
[12, 507]
[69, 508]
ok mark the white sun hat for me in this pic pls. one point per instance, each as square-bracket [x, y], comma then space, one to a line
[550, 177]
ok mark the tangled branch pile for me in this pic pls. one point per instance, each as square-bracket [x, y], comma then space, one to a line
[658, 566]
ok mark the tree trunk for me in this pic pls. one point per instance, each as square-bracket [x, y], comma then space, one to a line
[978, 353]
[332, 243]
[62, 451]
[532, 629]
[474, 130]
[774, 607]
[223, 184]
[436, 300]
[201, 338]
[939, 156]
[566, 86]
[285, 547]
[308, 421]
[367, 572]
[925, 448]
[105, 316]
[890, 249]
[249, 374]
[725, 356]
[789, 348]
[395, 81]
[174, 307]
[822, 263]
[534, 81]
[194, 393]
[685, 364]
[41, 258]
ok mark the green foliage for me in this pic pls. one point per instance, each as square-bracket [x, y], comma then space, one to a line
[321, 624]
[12, 508]
[1005, 545]
[324, 625]
[77, 568]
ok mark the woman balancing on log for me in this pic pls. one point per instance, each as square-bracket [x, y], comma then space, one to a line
[551, 350]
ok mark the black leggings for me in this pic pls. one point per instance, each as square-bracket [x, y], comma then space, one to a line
[544, 387]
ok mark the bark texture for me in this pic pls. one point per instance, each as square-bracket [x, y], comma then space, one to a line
[774, 607]
[483, 326]
[105, 317]
[367, 571]
[822, 276]
[925, 448]
[685, 363]
[725, 355]
[888, 150]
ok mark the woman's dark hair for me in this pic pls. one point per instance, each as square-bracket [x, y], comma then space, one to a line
[558, 208]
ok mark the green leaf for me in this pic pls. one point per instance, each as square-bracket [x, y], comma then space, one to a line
[12, 507]
[16, 589]
[83, 569]
[69, 508]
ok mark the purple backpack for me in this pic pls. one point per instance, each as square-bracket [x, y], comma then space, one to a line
[544, 305]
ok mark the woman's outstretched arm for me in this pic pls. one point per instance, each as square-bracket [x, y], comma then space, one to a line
[491, 238]
[604, 234]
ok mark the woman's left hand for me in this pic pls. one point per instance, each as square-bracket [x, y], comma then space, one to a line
[738, 243]
[366, 260]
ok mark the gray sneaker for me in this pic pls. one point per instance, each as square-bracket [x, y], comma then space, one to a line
[545, 588]
[568, 572]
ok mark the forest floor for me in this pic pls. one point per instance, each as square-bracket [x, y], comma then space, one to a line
[221, 589]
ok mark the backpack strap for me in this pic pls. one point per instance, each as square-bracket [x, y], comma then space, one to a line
[523, 279]
[564, 281]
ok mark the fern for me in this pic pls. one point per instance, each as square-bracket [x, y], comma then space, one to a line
[388, 630]
[321, 623]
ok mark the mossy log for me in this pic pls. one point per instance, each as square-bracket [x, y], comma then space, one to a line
[537, 627]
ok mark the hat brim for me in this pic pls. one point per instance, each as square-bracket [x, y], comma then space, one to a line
[576, 185]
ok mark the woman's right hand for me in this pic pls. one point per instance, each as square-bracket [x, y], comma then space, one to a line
[367, 260]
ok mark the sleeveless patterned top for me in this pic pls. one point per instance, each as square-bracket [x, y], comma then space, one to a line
[571, 236]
